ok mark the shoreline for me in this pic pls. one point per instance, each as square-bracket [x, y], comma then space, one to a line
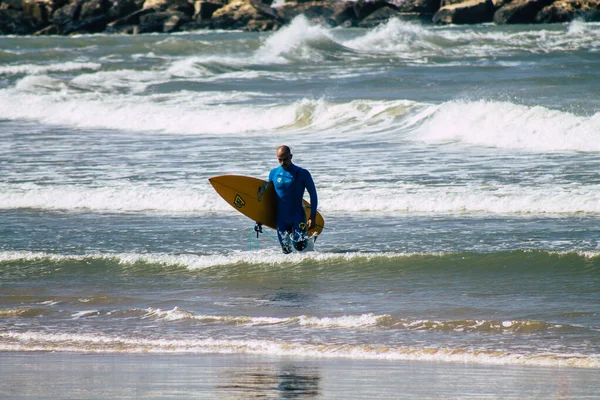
[70, 17]
[76, 375]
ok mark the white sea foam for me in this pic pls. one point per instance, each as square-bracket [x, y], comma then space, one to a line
[382, 198]
[508, 125]
[481, 123]
[130, 80]
[177, 314]
[52, 101]
[117, 198]
[398, 37]
[263, 258]
[85, 314]
[418, 44]
[199, 68]
[67, 342]
[297, 41]
[189, 115]
[346, 321]
[266, 258]
[33, 69]
[510, 199]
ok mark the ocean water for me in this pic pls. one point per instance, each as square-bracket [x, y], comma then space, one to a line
[457, 169]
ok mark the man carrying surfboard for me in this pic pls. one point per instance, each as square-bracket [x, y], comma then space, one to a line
[290, 181]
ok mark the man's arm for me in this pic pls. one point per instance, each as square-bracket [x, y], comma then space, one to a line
[314, 202]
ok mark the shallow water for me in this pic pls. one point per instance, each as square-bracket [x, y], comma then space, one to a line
[457, 170]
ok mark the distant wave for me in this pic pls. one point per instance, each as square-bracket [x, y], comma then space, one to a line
[35, 69]
[192, 261]
[415, 42]
[87, 343]
[365, 321]
[129, 198]
[23, 312]
[509, 199]
[476, 123]
[51, 101]
[245, 262]
[385, 197]
[512, 126]
[347, 322]
[301, 41]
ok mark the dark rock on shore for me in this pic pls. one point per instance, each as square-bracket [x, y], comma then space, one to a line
[467, 12]
[16, 22]
[565, 11]
[520, 11]
[64, 17]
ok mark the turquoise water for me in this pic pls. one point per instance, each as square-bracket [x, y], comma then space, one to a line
[457, 171]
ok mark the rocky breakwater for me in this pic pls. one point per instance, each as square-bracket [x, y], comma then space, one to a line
[64, 17]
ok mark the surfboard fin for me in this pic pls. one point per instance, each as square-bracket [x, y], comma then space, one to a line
[258, 229]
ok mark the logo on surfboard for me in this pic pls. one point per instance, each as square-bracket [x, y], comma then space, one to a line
[238, 201]
[261, 190]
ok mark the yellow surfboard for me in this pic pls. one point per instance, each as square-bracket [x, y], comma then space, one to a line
[256, 199]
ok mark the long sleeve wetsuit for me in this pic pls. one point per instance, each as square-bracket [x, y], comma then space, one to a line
[291, 218]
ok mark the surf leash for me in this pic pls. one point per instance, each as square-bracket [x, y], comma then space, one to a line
[258, 230]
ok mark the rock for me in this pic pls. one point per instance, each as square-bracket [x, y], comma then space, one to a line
[320, 15]
[13, 4]
[520, 11]
[131, 19]
[205, 9]
[121, 8]
[418, 6]
[122, 29]
[292, 9]
[95, 24]
[262, 25]
[152, 22]
[237, 14]
[344, 14]
[40, 11]
[162, 21]
[139, 16]
[378, 17]
[67, 14]
[237, 9]
[173, 23]
[500, 3]
[49, 30]
[81, 16]
[468, 12]
[173, 5]
[365, 8]
[92, 9]
[56, 4]
[16, 22]
[445, 3]
[568, 10]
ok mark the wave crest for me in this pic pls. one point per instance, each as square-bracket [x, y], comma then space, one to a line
[34, 341]
[512, 126]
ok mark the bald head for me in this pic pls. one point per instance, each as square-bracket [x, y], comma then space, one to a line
[284, 156]
[283, 149]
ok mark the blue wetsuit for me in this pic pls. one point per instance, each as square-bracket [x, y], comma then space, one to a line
[291, 218]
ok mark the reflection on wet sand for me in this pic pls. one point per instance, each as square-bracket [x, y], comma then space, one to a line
[283, 382]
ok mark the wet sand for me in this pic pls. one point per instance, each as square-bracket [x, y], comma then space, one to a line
[36, 375]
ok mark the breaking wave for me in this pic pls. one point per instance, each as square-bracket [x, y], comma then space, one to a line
[33, 341]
